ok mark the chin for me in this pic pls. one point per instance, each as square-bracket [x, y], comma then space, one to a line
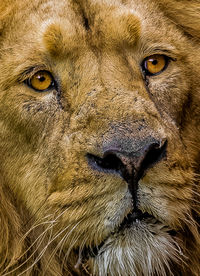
[141, 245]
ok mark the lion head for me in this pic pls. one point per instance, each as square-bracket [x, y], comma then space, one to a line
[99, 137]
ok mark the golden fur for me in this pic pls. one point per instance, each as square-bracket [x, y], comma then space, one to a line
[55, 209]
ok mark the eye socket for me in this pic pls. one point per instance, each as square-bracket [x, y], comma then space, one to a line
[41, 81]
[155, 64]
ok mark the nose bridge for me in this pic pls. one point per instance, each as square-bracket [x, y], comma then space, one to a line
[128, 115]
[123, 91]
[125, 109]
[132, 141]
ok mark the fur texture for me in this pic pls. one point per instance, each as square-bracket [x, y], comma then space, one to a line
[60, 214]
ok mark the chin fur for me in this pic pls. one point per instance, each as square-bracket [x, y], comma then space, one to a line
[142, 249]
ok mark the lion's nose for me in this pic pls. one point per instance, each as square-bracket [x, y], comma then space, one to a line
[130, 165]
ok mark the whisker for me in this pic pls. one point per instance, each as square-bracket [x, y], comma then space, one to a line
[58, 233]
[64, 238]
[40, 239]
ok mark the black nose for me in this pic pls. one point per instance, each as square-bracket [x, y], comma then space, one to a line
[130, 165]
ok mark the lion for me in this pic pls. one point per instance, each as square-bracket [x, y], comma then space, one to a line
[99, 137]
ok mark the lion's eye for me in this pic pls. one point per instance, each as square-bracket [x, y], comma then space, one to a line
[155, 64]
[41, 81]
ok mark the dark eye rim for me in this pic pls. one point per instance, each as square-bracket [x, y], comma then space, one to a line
[52, 86]
[149, 74]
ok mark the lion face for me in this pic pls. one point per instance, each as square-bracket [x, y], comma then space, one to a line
[99, 138]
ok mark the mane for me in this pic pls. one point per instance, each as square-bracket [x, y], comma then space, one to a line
[185, 14]
[10, 230]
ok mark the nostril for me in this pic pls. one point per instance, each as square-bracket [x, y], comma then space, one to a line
[153, 154]
[110, 162]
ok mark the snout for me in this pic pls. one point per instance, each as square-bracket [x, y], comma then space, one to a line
[130, 162]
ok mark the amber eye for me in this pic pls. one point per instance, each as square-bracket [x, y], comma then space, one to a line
[41, 81]
[155, 64]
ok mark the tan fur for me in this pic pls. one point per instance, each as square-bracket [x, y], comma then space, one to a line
[53, 205]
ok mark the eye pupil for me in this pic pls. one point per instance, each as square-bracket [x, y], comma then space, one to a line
[41, 78]
[154, 62]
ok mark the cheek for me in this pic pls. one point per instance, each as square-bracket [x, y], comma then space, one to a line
[27, 178]
[166, 195]
[97, 209]
[24, 146]
[171, 89]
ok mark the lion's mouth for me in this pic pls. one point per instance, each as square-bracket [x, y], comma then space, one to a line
[132, 217]
[135, 217]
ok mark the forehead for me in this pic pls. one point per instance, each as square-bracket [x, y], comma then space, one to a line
[110, 21]
[100, 22]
